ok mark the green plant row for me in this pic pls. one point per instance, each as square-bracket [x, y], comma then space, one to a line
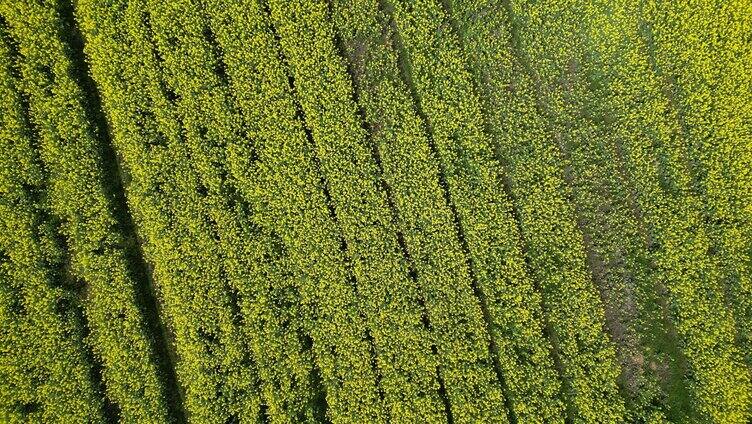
[699, 49]
[183, 223]
[79, 197]
[295, 206]
[653, 376]
[409, 169]
[45, 369]
[533, 157]
[655, 145]
[549, 224]
[194, 64]
[564, 136]
[556, 263]
[392, 303]
[473, 390]
[521, 350]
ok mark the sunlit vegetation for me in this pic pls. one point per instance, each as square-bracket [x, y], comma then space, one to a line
[375, 211]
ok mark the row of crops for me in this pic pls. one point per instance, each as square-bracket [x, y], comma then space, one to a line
[355, 211]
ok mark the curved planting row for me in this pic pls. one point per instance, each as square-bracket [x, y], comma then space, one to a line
[46, 372]
[191, 47]
[542, 110]
[553, 244]
[655, 146]
[691, 41]
[79, 197]
[181, 220]
[511, 305]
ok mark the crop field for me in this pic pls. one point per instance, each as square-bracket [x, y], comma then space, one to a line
[376, 211]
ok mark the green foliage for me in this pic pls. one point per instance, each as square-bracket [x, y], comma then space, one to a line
[552, 243]
[442, 211]
[656, 150]
[287, 171]
[183, 226]
[76, 188]
[689, 41]
[45, 371]
[392, 302]
[544, 114]
[516, 331]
